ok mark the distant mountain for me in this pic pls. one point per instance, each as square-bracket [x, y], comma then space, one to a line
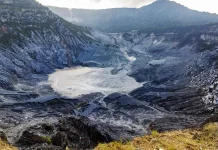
[158, 14]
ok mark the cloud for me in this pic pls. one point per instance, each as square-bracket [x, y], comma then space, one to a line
[125, 3]
[96, 1]
[134, 3]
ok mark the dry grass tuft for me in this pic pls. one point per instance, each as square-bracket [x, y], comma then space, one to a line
[190, 139]
[5, 146]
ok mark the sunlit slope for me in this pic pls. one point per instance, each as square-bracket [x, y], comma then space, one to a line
[6, 146]
[190, 139]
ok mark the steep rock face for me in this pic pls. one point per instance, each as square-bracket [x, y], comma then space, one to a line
[69, 132]
[177, 55]
[34, 40]
[178, 66]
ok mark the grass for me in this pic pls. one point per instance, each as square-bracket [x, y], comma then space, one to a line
[80, 105]
[205, 138]
[5, 146]
[47, 139]
[154, 132]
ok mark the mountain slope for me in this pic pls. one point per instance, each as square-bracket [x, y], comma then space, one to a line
[158, 14]
[36, 41]
[195, 139]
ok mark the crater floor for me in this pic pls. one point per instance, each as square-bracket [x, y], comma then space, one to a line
[78, 81]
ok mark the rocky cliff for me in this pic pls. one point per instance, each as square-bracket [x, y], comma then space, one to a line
[36, 41]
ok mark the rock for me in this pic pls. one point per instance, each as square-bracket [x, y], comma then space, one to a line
[48, 127]
[29, 138]
[185, 101]
[213, 118]
[59, 139]
[43, 147]
[75, 133]
[173, 123]
[6, 85]
[82, 133]
[3, 136]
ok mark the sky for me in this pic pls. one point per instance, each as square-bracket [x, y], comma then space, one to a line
[200, 5]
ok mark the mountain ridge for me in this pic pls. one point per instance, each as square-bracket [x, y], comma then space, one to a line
[157, 14]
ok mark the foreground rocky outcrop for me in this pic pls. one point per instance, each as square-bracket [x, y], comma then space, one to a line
[68, 132]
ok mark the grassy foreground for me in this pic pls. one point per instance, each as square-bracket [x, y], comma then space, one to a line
[5, 146]
[190, 139]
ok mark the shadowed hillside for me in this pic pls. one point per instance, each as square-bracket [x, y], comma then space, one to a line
[158, 14]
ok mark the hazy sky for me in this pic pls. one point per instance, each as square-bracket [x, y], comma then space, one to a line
[201, 5]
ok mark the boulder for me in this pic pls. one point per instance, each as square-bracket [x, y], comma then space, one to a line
[74, 133]
[29, 138]
[59, 139]
[3, 136]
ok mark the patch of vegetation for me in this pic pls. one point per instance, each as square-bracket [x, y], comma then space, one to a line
[80, 105]
[154, 132]
[67, 148]
[205, 138]
[47, 139]
[5, 146]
